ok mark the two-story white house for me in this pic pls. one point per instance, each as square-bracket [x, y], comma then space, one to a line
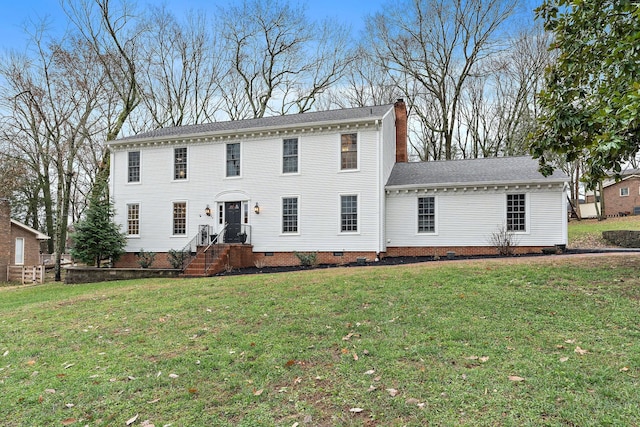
[335, 183]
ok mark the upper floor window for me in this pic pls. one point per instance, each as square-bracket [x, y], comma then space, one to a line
[349, 213]
[290, 155]
[624, 191]
[290, 215]
[349, 151]
[180, 163]
[133, 219]
[134, 167]
[179, 218]
[233, 159]
[516, 212]
[426, 214]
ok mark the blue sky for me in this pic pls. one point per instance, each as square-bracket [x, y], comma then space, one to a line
[16, 12]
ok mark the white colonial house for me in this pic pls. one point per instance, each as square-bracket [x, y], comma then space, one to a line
[333, 183]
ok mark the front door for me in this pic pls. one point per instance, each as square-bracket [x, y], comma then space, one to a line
[233, 216]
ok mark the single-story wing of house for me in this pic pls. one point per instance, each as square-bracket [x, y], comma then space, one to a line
[335, 184]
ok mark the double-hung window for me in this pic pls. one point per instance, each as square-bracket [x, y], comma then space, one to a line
[290, 215]
[349, 151]
[133, 166]
[290, 155]
[349, 213]
[624, 191]
[133, 219]
[516, 212]
[233, 159]
[426, 214]
[179, 218]
[180, 163]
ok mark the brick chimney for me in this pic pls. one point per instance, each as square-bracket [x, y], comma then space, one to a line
[401, 131]
[5, 237]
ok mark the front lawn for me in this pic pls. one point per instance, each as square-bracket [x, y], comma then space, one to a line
[541, 341]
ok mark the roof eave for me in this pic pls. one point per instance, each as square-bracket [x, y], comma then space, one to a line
[536, 182]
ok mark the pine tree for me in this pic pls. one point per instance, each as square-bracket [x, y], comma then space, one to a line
[97, 237]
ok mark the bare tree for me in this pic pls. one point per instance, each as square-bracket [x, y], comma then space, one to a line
[52, 104]
[180, 85]
[279, 61]
[438, 44]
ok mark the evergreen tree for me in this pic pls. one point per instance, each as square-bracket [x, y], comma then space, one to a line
[97, 237]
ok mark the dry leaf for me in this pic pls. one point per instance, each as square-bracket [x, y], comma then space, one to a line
[372, 388]
[472, 358]
[6, 353]
[68, 421]
[347, 337]
[258, 392]
[173, 376]
[392, 392]
[193, 390]
[296, 424]
[298, 380]
[570, 341]
[412, 401]
[484, 359]
[355, 356]
[564, 359]
[624, 369]
[154, 401]
[147, 423]
[515, 378]
[50, 390]
[69, 405]
[356, 410]
[31, 362]
[132, 420]
[370, 372]
[580, 351]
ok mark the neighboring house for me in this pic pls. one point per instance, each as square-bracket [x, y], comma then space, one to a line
[336, 183]
[622, 197]
[19, 244]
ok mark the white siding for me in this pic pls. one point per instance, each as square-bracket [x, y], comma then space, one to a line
[318, 185]
[468, 217]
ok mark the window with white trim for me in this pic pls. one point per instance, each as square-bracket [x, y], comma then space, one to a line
[19, 251]
[349, 151]
[180, 163]
[289, 215]
[133, 219]
[179, 218]
[133, 169]
[349, 213]
[426, 214]
[516, 212]
[624, 191]
[290, 155]
[233, 159]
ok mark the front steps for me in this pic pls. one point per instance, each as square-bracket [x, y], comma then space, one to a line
[229, 256]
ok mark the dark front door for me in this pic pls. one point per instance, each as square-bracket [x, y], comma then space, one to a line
[233, 216]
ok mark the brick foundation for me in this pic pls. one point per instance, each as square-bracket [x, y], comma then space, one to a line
[441, 251]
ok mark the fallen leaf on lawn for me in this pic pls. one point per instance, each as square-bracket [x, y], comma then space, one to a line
[147, 423]
[392, 392]
[130, 378]
[484, 359]
[132, 420]
[412, 401]
[378, 378]
[68, 365]
[355, 356]
[69, 405]
[31, 362]
[347, 337]
[298, 380]
[344, 351]
[472, 358]
[154, 401]
[370, 372]
[296, 424]
[258, 392]
[173, 376]
[50, 390]
[193, 390]
[6, 353]
[356, 410]
[559, 346]
[68, 421]
[372, 388]
[515, 378]
[624, 369]
[564, 359]
[158, 374]
[307, 419]
[570, 341]
[580, 351]
[290, 363]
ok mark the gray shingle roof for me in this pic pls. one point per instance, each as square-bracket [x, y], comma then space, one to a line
[313, 118]
[495, 170]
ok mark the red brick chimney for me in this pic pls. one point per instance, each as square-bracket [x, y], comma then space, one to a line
[401, 131]
[5, 238]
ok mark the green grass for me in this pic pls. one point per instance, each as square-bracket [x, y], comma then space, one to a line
[431, 344]
[594, 228]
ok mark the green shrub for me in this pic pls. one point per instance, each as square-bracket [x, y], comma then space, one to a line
[307, 259]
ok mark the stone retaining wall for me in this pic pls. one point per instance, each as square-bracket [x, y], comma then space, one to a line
[623, 238]
[92, 274]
